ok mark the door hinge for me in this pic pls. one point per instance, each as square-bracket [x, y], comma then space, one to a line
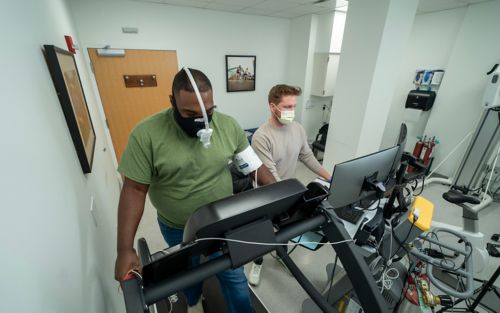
[107, 123]
[92, 68]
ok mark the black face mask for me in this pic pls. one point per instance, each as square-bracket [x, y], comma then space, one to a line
[189, 124]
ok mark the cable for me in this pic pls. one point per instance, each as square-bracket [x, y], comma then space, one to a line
[136, 273]
[387, 279]
[423, 185]
[171, 305]
[256, 181]
[491, 173]
[270, 243]
[401, 244]
[405, 287]
[454, 265]
[451, 152]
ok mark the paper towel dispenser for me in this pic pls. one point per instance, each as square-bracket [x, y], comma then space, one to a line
[420, 100]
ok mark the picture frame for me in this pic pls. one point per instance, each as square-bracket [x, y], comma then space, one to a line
[66, 79]
[240, 72]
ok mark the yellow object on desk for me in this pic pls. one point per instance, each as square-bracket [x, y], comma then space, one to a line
[425, 211]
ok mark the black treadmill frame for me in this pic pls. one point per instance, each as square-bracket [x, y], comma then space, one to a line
[139, 297]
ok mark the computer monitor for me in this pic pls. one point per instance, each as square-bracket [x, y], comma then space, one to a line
[349, 179]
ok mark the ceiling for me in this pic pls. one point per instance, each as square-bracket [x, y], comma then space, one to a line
[296, 8]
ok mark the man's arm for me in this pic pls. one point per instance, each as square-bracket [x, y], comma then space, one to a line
[264, 176]
[312, 163]
[325, 175]
[307, 157]
[130, 210]
[261, 147]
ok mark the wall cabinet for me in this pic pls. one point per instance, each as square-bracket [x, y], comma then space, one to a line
[325, 69]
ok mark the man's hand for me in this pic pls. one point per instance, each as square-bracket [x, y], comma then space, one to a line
[126, 261]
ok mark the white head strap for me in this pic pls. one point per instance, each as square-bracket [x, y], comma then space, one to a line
[206, 133]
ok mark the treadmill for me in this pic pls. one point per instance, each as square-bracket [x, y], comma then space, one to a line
[272, 214]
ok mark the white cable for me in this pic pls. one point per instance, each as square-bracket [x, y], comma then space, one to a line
[198, 96]
[491, 174]
[256, 181]
[387, 279]
[389, 262]
[171, 305]
[136, 273]
[449, 154]
[272, 244]
[206, 133]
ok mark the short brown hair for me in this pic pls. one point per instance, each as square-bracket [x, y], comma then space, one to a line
[279, 91]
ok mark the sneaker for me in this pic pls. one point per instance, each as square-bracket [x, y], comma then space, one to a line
[254, 275]
[197, 308]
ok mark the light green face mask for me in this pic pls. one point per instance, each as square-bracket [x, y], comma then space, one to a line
[286, 116]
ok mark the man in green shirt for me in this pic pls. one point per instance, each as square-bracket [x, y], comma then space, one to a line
[165, 157]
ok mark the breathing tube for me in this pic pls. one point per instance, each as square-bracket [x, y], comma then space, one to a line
[206, 133]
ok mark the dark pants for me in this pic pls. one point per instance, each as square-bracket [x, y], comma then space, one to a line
[233, 282]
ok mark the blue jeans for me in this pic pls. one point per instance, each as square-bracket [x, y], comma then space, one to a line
[233, 282]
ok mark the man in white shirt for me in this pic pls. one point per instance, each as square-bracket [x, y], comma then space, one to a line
[280, 143]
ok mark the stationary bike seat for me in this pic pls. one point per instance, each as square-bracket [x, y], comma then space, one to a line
[456, 197]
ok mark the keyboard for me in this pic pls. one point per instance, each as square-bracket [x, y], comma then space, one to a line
[349, 214]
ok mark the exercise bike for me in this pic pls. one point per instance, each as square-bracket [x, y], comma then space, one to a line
[467, 187]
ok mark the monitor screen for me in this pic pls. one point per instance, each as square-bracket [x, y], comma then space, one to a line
[347, 180]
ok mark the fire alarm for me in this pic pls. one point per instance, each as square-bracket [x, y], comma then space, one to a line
[69, 41]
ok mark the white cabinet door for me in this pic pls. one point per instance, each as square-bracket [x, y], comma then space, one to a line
[325, 69]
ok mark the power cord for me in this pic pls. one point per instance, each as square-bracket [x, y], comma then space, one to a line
[423, 185]
[270, 243]
[387, 279]
[416, 215]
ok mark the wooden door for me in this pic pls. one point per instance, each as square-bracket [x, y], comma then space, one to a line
[125, 106]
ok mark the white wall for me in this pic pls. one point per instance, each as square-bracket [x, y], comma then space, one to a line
[474, 50]
[54, 256]
[201, 38]
[375, 35]
[319, 38]
[338, 31]
[299, 59]
[324, 32]
[432, 39]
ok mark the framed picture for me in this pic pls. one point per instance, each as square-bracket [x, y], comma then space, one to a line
[240, 72]
[66, 80]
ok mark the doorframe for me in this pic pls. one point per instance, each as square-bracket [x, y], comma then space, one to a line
[102, 114]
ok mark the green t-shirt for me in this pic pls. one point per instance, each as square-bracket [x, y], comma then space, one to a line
[181, 173]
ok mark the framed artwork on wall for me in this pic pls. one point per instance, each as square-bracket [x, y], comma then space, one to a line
[62, 67]
[240, 72]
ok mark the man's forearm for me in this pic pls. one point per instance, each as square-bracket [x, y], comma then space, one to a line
[130, 210]
[264, 176]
